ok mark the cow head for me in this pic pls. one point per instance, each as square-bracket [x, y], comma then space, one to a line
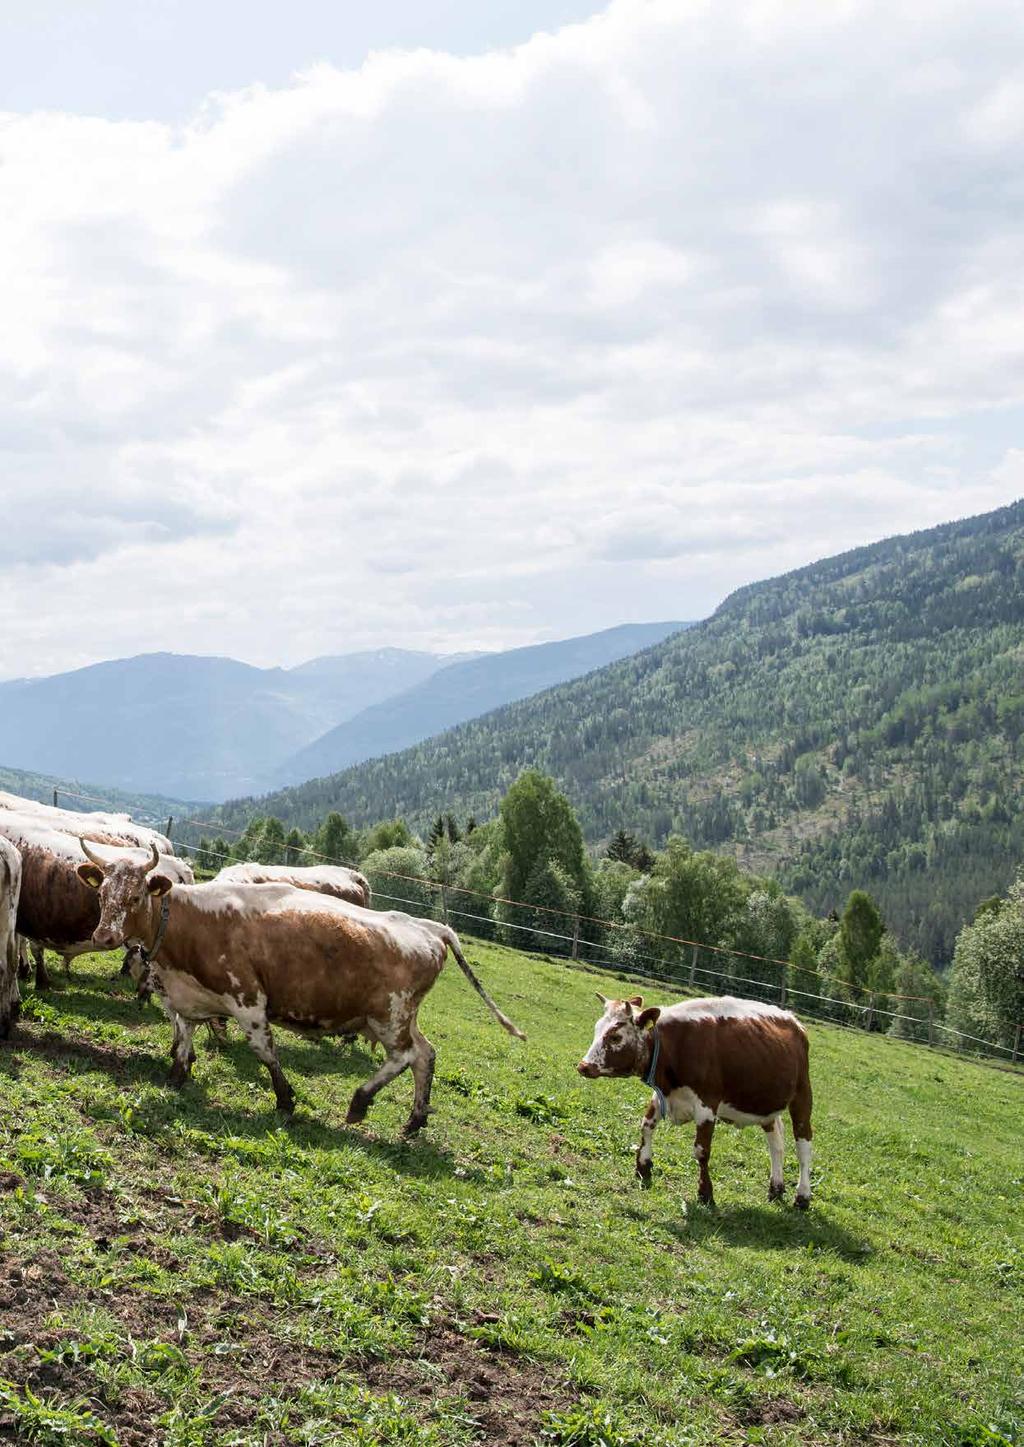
[620, 1039]
[126, 890]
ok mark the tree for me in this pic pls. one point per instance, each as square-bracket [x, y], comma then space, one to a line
[335, 840]
[390, 834]
[538, 823]
[916, 979]
[398, 878]
[295, 849]
[986, 987]
[860, 931]
[689, 896]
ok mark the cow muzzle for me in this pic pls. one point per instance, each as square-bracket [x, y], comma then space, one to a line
[106, 939]
[588, 1069]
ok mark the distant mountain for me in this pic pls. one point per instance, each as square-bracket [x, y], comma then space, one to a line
[856, 722]
[463, 691]
[195, 727]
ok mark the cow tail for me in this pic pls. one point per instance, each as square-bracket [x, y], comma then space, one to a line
[453, 943]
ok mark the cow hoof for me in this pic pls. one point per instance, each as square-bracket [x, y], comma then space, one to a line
[176, 1079]
[801, 1202]
[776, 1193]
[357, 1110]
[286, 1104]
[705, 1198]
[413, 1126]
[643, 1171]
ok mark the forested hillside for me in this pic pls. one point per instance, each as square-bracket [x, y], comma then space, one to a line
[858, 720]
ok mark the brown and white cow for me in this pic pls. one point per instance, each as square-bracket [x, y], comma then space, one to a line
[56, 911]
[725, 1059]
[10, 889]
[271, 953]
[331, 879]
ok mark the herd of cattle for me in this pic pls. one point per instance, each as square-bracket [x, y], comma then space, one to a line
[301, 947]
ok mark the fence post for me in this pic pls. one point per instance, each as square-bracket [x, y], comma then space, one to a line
[782, 989]
[693, 967]
[931, 1022]
[576, 937]
[1016, 1042]
[444, 904]
[55, 798]
[170, 822]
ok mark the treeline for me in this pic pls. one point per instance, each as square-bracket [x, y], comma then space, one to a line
[695, 916]
[859, 721]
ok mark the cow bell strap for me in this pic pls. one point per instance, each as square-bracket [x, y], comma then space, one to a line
[165, 913]
[652, 1071]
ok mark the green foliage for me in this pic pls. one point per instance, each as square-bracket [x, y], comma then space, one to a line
[409, 891]
[390, 834]
[335, 840]
[860, 934]
[986, 986]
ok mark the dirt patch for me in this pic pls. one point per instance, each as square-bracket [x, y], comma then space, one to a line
[770, 1412]
[506, 1394]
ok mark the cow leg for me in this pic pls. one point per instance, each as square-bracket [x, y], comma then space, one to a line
[702, 1154]
[257, 1032]
[24, 967]
[645, 1154]
[183, 1057]
[42, 973]
[423, 1075]
[800, 1114]
[397, 1061]
[777, 1150]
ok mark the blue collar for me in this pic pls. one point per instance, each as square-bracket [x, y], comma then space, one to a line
[651, 1072]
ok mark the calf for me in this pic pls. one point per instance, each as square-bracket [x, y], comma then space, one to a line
[264, 953]
[711, 1060]
[10, 889]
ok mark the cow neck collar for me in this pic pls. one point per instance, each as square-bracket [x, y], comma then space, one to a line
[148, 956]
[650, 1076]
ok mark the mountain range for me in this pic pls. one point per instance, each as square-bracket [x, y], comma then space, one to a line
[194, 727]
[856, 722]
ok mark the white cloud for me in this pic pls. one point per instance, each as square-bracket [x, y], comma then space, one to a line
[469, 351]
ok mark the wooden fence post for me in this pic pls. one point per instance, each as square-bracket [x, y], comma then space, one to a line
[444, 904]
[55, 798]
[693, 966]
[1016, 1042]
[782, 990]
[931, 1022]
[576, 937]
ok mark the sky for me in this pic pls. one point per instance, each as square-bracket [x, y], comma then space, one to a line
[326, 329]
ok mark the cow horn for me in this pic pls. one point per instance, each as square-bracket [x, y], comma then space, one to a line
[93, 858]
[154, 861]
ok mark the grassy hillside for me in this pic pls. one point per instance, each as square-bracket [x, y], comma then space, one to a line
[187, 1270]
[858, 721]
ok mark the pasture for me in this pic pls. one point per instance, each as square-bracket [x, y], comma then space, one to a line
[189, 1270]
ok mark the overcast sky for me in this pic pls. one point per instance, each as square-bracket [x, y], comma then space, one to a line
[323, 329]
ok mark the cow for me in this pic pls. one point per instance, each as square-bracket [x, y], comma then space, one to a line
[56, 911]
[332, 879]
[10, 890]
[97, 825]
[709, 1060]
[273, 954]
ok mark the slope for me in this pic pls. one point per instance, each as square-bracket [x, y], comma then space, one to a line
[876, 697]
[179, 1269]
[464, 690]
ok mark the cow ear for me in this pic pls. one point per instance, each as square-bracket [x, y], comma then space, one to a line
[158, 884]
[648, 1016]
[636, 1000]
[90, 874]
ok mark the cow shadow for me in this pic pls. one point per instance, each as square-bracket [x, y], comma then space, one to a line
[777, 1227]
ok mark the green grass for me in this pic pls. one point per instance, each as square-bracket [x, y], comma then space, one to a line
[188, 1269]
